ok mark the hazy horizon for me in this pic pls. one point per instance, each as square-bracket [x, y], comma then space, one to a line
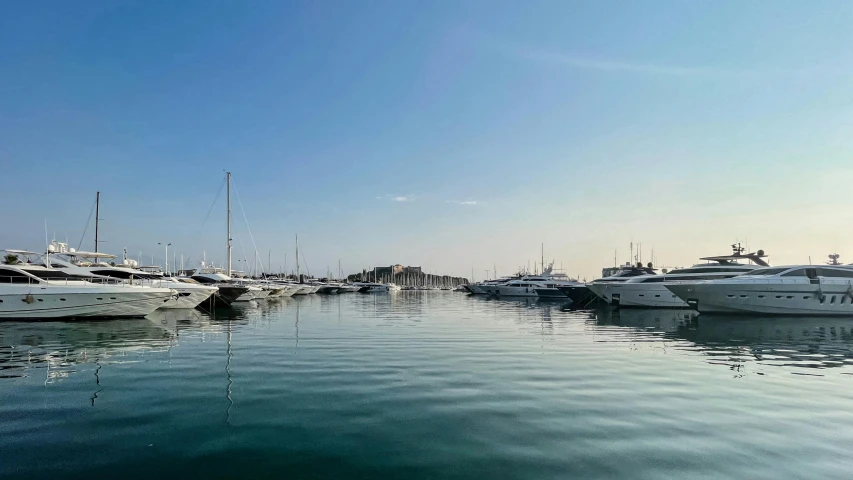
[451, 135]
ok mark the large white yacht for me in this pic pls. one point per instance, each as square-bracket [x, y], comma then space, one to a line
[372, 287]
[488, 287]
[582, 297]
[189, 295]
[791, 290]
[543, 285]
[650, 291]
[39, 292]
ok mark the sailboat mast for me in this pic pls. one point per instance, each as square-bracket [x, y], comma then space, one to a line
[97, 214]
[297, 256]
[228, 181]
[543, 258]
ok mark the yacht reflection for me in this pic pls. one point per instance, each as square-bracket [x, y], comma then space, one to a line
[801, 341]
[59, 347]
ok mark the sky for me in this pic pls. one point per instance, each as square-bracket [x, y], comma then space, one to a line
[459, 136]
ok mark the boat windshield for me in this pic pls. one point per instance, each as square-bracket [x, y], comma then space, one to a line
[46, 274]
[766, 271]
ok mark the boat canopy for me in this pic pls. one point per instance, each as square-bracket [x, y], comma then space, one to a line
[85, 254]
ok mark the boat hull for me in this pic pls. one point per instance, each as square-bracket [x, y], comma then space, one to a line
[645, 295]
[34, 303]
[550, 293]
[188, 299]
[779, 299]
[581, 296]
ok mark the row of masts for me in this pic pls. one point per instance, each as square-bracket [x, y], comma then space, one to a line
[410, 279]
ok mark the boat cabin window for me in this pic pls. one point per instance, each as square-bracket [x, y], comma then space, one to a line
[201, 279]
[732, 268]
[57, 275]
[766, 271]
[835, 272]
[801, 272]
[14, 276]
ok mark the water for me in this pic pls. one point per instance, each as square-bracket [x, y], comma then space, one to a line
[426, 385]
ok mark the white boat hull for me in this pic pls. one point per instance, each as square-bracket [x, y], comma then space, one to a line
[507, 291]
[36, 303]
[779, 299]
[642, 295]
[189, 299]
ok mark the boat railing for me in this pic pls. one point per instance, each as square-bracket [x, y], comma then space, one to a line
[75, 282]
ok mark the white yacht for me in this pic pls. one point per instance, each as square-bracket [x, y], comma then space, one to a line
[371, 287]
[650, 291]
[489, 287]
[303, 289]
[532, 285]
[190, 295]
[348, 288]
[39, 292]
[582, 297]
[228, 292]
[791, 290]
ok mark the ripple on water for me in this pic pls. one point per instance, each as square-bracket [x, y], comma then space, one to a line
[428, 385]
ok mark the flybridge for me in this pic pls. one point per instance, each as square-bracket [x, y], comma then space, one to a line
[737, 254]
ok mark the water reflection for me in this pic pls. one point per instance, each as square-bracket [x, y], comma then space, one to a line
[735, 342]
[59, 347]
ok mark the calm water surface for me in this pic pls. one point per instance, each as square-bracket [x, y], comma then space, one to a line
[427, 385]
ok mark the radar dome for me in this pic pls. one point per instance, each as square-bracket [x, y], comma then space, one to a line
[761, 252]
[72, 250]
[51, 248]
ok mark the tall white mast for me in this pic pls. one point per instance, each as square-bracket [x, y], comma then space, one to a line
[228, 181]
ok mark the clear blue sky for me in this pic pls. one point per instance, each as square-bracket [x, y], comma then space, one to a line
[449, 134]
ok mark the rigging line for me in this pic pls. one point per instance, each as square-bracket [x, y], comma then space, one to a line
[88, 221]
[221, 186]
[307, 270]
[245, 219]
[240, 244]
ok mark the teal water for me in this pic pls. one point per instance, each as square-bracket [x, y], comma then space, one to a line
[422, 385]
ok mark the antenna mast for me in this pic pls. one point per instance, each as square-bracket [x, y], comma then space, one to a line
[228, 181]
[97, 214]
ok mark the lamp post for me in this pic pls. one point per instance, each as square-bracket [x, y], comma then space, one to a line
[167, 254]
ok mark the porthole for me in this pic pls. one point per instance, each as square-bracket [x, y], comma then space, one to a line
[789, 297]
[832, 300]
[761, 296]
[61, 299]
[730, 296]
[778, 296]
[99, 298]
[40, 299]
[743, 296]
[112, 298]
[657, 296]
[806, 297]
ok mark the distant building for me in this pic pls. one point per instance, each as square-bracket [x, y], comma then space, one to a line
[396, 270]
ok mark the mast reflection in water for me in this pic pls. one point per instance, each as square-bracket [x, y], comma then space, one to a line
[426, 384]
